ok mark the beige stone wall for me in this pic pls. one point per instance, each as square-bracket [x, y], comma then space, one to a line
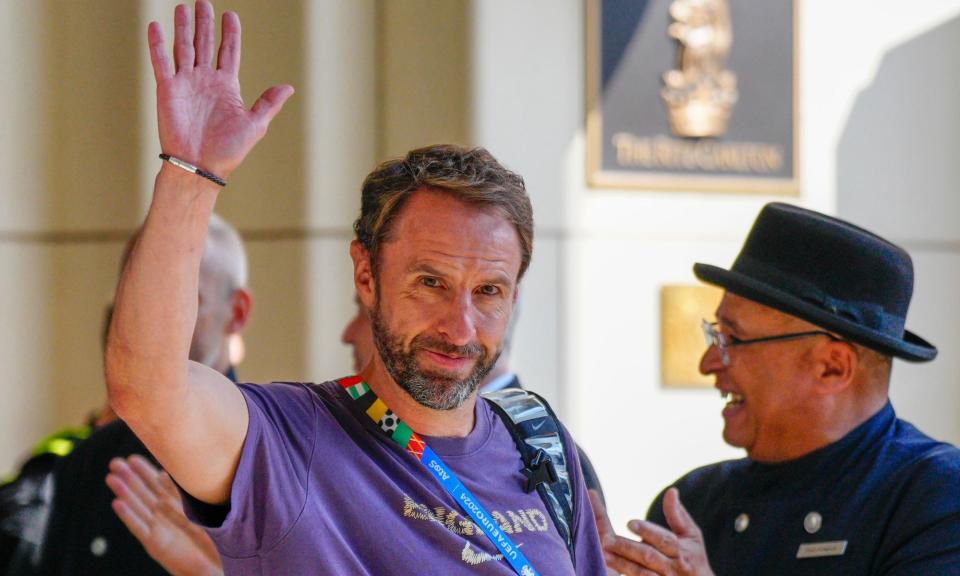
[68, 197]
[423, 74]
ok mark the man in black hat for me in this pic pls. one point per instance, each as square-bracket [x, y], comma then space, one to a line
[833, 481]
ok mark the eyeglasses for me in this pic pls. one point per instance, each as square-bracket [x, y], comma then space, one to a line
[724, 342]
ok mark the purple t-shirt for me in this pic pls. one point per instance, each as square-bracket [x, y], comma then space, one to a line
[319, 490]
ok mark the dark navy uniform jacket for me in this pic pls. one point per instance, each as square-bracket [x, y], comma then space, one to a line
[883, 500]
[85, 536]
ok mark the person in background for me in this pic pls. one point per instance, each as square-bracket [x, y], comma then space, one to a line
[87, 534]
[26, 496]
[358, 335]
[813, 314]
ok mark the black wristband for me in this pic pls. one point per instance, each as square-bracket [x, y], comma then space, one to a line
[193, 169]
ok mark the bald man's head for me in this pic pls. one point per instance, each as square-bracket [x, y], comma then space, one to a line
[224, 255]
[224, 302]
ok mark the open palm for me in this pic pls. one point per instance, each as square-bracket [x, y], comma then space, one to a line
[149, 505]
[201, 115]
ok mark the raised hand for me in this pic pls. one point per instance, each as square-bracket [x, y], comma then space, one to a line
[201, 114]
[149, 505]
[679, 551]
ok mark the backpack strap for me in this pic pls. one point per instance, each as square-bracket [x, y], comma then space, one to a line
[536, 432]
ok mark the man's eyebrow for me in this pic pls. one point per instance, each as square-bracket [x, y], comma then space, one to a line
[500, 277]
[495, 277]
[423, 267]
[727, 321]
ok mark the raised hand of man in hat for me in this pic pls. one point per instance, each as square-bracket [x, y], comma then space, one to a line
[679, 551]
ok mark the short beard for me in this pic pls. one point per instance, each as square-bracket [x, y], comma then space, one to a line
[435, 390]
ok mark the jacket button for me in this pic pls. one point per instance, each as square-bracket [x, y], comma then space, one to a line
[98, 546]
[812, 522]
[741, 523]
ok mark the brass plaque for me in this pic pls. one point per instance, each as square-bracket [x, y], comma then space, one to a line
[692, 94]
[682, 310]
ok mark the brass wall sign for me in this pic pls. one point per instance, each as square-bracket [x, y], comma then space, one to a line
[692, 94]
[682, 310]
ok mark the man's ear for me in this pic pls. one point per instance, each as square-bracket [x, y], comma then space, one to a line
[836, 366]
[241, 305]
[363, 279]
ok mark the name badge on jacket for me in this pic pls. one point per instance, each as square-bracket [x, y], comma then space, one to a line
[822, 549]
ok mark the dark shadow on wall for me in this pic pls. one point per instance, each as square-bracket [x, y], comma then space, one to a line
[898, 173]
[898, 169]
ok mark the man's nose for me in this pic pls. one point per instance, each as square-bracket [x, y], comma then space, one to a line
[457, 323]
[712, 360]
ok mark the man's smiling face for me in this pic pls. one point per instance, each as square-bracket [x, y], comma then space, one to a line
[769, 386]
[446, 283]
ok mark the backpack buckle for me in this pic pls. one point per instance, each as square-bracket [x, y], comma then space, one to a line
[540, 470]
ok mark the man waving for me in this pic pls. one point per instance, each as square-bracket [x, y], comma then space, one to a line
[399, 469]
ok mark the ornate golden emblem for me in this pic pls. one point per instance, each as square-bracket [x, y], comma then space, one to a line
[701, 94]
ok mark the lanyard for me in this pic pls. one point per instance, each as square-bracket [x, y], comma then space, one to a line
[398, 431]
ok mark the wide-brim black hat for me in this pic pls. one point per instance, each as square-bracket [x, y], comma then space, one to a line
[828, 272]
